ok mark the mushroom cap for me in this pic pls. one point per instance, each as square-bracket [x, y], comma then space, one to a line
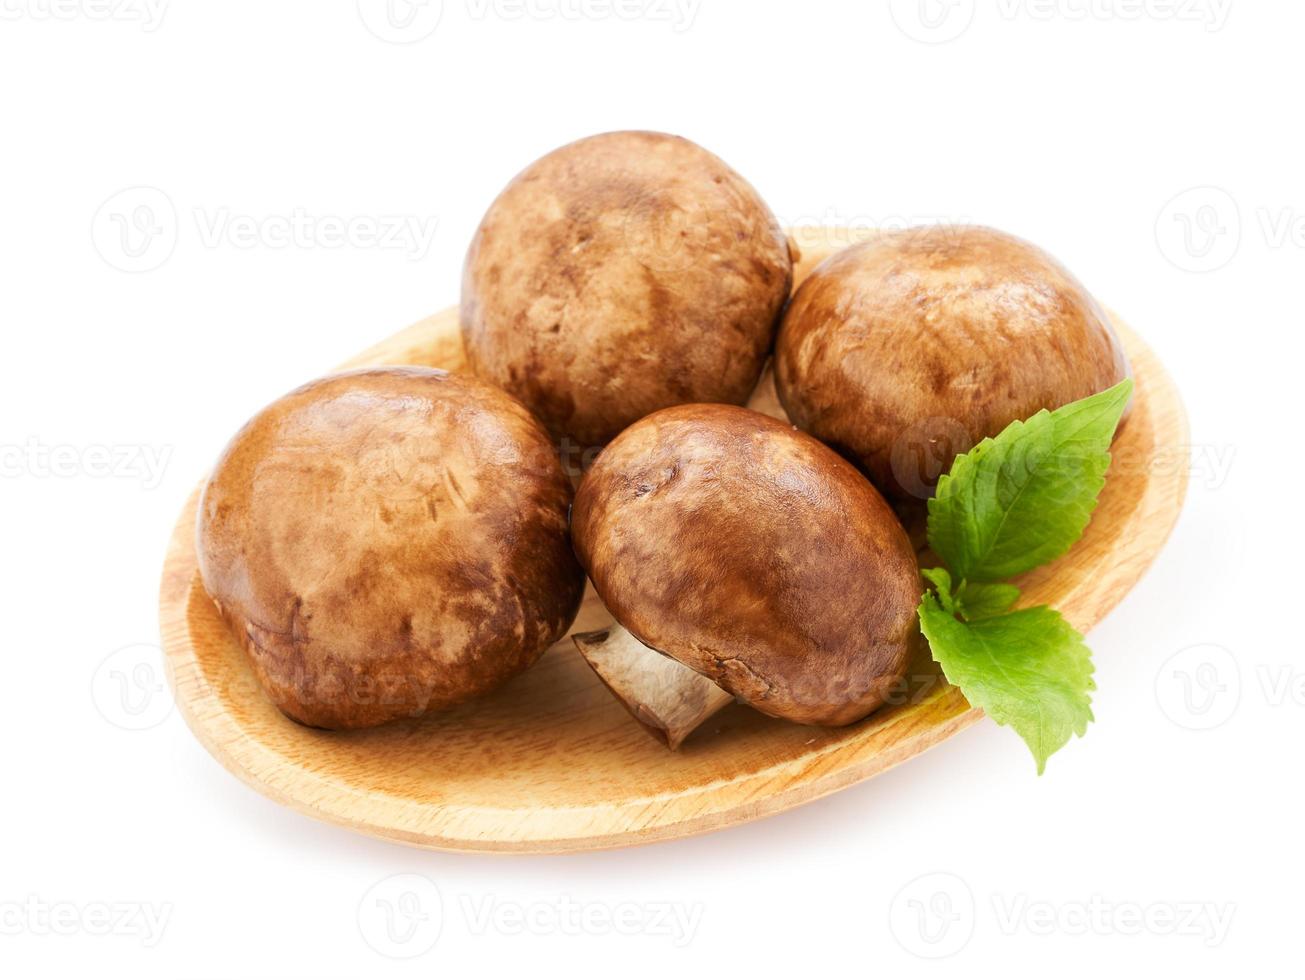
[621, 274]
[387, 542]
[755, 555]
[904, 351]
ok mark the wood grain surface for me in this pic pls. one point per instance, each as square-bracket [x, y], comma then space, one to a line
[551, 762]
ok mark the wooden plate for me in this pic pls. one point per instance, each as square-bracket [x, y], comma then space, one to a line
[551, 762]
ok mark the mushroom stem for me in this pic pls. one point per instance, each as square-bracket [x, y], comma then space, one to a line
[669, 699]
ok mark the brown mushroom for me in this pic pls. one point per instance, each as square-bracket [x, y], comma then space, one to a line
[904, 351]
[621, 274]
[387, 542]
[757, 560]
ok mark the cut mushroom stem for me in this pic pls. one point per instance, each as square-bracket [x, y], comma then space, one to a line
[669, 699]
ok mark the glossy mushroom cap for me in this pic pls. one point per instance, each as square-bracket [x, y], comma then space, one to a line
[621, 274]
[756, 556]
[904, 351]
[387, 542]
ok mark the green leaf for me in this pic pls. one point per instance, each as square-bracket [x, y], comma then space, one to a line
[1028, 669]
[942, 583]
[977, 600]
[1019, 500]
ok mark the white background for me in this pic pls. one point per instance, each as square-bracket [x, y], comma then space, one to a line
[1076, 125]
